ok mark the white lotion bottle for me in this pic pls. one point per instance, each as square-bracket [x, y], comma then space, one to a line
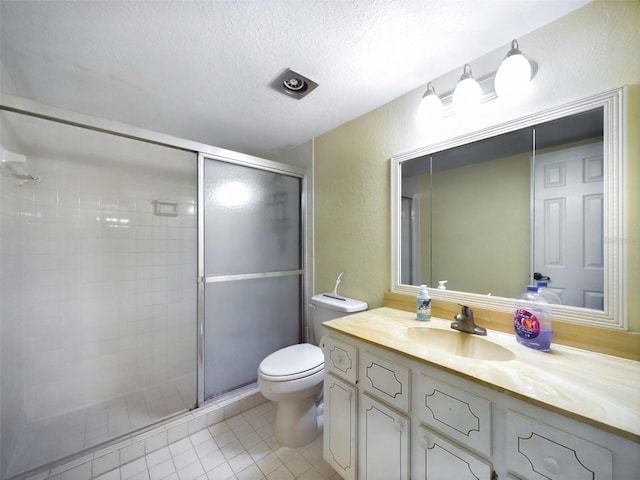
[423, 303]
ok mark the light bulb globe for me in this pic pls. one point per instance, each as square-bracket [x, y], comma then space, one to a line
[513, 77]
[430, 108]
[467, 95]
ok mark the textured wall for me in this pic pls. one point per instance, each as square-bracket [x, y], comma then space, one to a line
[351, 214]
[587, 52]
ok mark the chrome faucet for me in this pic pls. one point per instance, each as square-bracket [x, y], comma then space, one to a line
[464, 322]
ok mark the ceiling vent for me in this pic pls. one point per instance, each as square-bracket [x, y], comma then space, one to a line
[293, 84]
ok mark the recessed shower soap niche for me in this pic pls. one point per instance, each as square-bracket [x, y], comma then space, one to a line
[164, 208]
[12, 165]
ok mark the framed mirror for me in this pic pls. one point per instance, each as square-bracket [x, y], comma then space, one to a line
[538, 198]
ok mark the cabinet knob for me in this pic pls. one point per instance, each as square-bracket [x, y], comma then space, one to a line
[426, 443]
[551, 464]
[398, 425]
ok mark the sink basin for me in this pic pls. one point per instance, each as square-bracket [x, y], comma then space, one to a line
[460, 344]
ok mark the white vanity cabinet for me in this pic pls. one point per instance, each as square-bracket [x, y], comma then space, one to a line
[403, 418]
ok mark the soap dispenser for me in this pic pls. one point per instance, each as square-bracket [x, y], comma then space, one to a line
[423, 302]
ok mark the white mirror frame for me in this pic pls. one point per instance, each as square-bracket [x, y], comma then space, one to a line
[614, 314]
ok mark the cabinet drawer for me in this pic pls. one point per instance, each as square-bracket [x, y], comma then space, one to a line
[435, 457]
[385, 380]
[463, 416]
[539, 452]
[340, 358]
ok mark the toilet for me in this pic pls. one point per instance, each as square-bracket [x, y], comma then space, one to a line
[292, 376]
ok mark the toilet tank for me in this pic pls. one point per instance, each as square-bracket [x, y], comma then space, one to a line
[328, 306]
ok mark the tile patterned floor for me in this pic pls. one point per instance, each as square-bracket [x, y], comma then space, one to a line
[241, 448]
[49, 439]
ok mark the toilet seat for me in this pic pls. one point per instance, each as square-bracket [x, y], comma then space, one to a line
[291, 363]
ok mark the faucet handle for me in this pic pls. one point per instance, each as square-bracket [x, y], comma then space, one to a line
[466, 311]
[464, 322]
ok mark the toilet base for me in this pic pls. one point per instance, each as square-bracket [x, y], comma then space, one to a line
[296, 422]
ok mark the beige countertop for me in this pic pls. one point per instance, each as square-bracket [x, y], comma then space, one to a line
[598, 389]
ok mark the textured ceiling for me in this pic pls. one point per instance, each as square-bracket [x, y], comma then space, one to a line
[202, 70]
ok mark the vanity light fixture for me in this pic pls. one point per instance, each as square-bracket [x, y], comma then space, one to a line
[468, 94]
[514, 74]
[508, 83]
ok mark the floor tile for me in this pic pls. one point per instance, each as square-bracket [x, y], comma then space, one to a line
[131, 469]
[241, 447]
[213, 460]
[281, 474]
[240, 462]
[50, 439]
[157, 457]
[222, 472]
[191, 471]
[185, 458]
[269, 463]
[206, 448]
[250, 473]
[161, 470]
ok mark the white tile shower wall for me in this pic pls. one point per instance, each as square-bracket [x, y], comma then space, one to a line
[11, 361]
[109, 287]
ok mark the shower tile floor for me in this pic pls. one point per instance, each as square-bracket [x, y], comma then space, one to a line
[50, 439]
[241, 448]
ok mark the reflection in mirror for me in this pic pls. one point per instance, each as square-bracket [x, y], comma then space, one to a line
[568, 208]
[473, 204]
[494, 214]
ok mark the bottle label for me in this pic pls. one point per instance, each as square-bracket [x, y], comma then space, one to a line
[424, 308]
[526, 324]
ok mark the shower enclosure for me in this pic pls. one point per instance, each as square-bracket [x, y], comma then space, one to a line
[121, 303]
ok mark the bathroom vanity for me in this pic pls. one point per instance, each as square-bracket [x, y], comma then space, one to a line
[408, 399]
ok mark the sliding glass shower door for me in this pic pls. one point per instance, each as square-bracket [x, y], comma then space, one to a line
[251, 269]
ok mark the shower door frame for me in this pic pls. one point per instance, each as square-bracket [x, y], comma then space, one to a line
[203, 279]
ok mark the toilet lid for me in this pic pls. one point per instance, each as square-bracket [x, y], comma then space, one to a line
[293, 362]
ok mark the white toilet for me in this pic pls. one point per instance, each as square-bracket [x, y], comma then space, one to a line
[292, 377]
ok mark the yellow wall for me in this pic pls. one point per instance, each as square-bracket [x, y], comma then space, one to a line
[589, 51]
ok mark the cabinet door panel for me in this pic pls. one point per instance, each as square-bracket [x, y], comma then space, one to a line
[435, 458]
[340, 359]
[386, 380]
[461, 415]
[384, 442]
[538, 452]
[340, 433]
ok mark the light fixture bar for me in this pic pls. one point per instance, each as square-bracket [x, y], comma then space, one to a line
[486, 86]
